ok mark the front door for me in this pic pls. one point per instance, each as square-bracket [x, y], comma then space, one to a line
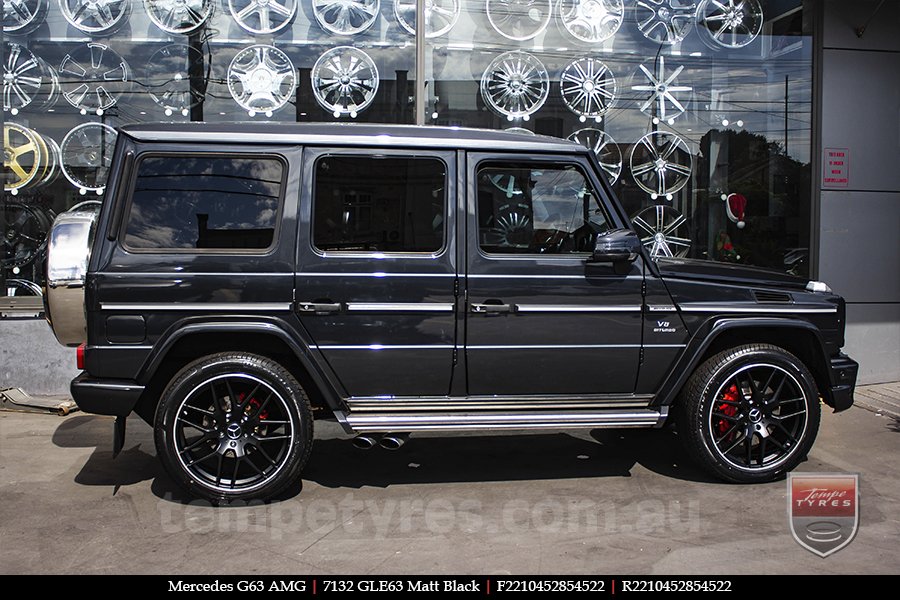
[540, 320]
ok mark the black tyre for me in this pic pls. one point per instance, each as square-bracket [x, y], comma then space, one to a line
[749, 414]
[234, 426]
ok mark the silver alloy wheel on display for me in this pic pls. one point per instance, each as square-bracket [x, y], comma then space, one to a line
[661, 164]
[604, 148]
[662, 102]
[344, 81]
[21, 17]
[440, 16]
[179, 16]
[588, 88]
[93, 77]
[592, 21]
[263, 17]
[22, 77]
[663, 231]
[54, 161]
[87, 153]
[665, 21]
[261, 79]
[95, 17]
[519, 20]
[516, 84]
[346, 17]
[169, 76]
[729, 24]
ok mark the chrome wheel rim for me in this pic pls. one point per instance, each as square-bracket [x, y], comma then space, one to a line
[440, 16]
[665, 21]
[592, 21]
[93, 77]
[87, 152]
[233, 433]
[663, 230]
[95, 16]
[170, 78]
[178, 16]
[261, 79]
[758, 417]
[263, 16]
[588, 87]
[519, 20]
[345, 81]
[604, 148]
[346, 17]
[23, 16]
[661, 164]
[515, 84]
[662, 102]
[22, 77]
[729, 24]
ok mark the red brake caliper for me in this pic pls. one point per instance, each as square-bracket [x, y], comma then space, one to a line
[730, 395]
[255, 404]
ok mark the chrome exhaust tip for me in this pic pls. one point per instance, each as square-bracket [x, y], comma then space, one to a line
[366, 441]
[393, 441]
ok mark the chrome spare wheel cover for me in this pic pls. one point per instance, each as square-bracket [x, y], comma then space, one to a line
[169, 74]
[515, 84]
[262, 17]
[346, 17]
[604, 148]
[729, 24]
[519, 20]
[95, 16]
[344, 81]
[179, 16]
[592, 21]
[661, 164]
[440, 16]
[93, 77]
[588, 88]
[261, 79]
[87, 152]
[663, 231]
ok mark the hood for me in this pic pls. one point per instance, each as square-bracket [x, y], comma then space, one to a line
[707, 270]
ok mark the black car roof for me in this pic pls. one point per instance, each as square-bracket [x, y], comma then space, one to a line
[352, 134]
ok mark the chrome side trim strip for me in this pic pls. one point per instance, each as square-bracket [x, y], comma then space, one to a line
[514, 276]
[251, 306]
[385, 347]
[548, 346]
[790, 310]
[505, 420]
[378, 274]
[552, 308]
[400, 306]
[661, 308]
[181, 274]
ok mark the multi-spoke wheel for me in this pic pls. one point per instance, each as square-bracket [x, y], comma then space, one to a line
[510, 226]
[588, 88]
[519, 20]
[95, 17]
[87, 152]
[344, 81]
[21, 17]
[661, 164]
[93, 77]
[663, 231]
[234, 426]
[515, 84]
[261, 79]
[662, 86]
[22, 77]
[25, 235]
[179, 16]
[263, 17]
[346, 17]
[604, 148]
[440, 16]
[169, 72]
[592, 21]
[665, 21]
[729, 23]
[750, 413]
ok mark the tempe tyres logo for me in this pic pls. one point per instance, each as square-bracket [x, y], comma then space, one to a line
[823, 510]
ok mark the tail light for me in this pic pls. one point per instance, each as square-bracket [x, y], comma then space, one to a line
[79, 357]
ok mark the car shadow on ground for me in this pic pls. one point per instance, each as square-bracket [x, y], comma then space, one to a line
[336, 463]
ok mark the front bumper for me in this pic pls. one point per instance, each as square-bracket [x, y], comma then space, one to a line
[843, 376]
[116, 397]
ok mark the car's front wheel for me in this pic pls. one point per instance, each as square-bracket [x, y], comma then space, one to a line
[750, 413]
[234, 426]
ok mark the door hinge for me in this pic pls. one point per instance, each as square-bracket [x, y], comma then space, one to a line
[455, 355]
[643, 287]
[456, 286]
[641, 356]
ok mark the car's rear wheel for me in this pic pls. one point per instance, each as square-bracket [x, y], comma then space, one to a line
[750, 413]
[234, 426]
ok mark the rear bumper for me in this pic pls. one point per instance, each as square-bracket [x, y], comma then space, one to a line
[843, 375]
[116, 397]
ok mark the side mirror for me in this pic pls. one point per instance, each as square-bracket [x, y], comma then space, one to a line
[616, 246]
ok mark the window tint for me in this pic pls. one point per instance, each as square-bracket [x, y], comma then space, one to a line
[204, 202]
[537, 209]
[379, 204]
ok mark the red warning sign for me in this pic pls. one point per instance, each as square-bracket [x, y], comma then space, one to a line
[837, 168]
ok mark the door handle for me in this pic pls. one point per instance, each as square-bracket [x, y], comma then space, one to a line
[493, 307]
[319, 308]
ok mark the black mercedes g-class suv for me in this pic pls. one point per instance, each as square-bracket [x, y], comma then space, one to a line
[241, 280]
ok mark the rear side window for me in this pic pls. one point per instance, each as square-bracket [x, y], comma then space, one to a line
[379, 204]
[201, 202]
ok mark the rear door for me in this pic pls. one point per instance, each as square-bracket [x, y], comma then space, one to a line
[376, 268]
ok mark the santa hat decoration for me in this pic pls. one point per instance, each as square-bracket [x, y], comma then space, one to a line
[735, 207]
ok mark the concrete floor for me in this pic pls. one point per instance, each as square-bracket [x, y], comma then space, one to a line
[603, 502]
